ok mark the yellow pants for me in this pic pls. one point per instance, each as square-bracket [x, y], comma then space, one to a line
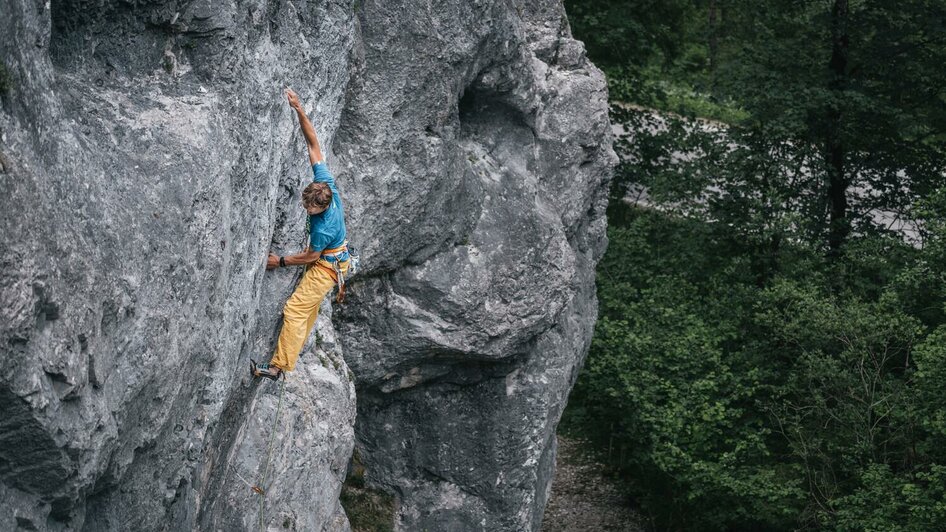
[300, 313]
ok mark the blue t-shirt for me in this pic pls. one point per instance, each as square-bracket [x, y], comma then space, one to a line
[327, 229]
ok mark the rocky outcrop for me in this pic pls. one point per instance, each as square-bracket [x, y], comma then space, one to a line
[489, 167]
[149, 162]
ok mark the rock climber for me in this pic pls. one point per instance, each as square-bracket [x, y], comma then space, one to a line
[326, 257]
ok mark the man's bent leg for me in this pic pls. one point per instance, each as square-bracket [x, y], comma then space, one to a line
[301, 309]
[315, 315]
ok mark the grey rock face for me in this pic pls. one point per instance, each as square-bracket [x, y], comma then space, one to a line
[139, 202]
[148, 162]
[480, 208]
[294, 444]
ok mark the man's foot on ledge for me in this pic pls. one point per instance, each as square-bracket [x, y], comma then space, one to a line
[265, 370]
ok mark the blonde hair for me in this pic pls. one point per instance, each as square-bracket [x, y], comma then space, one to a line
[317, 195]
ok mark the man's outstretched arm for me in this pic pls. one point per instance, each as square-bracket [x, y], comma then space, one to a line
[315, 152]
[299, 259]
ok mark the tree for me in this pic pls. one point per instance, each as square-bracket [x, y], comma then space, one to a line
[862, 83]
[770, 353]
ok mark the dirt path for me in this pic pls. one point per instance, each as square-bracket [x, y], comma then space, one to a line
[583, 499]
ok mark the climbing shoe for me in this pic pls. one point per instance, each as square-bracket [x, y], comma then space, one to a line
[264, 370]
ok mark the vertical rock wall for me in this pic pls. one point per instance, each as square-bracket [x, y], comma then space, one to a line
[479, 191]
[148, 162]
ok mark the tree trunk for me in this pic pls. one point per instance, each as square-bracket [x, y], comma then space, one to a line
[713, 36]
[838, 182]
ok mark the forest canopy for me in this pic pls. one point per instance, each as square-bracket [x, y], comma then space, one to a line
[771, 347]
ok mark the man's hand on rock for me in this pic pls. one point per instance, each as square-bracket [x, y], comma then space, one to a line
[293, 100]
[272, 262]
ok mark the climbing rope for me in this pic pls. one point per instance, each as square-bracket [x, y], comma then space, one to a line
[258, 488]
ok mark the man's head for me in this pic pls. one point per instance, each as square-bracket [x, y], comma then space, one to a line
[316, 197]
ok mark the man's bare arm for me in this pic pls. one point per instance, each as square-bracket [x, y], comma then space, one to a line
[306, 257]
[308, 131]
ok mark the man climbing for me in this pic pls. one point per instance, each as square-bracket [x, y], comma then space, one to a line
[326, 257]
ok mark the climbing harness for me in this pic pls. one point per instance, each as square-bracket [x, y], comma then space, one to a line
[335, 270]
[332, 266]
[258, 487]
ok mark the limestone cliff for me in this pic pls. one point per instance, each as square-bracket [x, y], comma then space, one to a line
[148, 163]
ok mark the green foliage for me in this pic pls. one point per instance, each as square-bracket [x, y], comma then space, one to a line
[650, 29]
[858, 94]
[771, 353]
[645, 87]
[886, 502]
[368, 510]
[730, 404]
